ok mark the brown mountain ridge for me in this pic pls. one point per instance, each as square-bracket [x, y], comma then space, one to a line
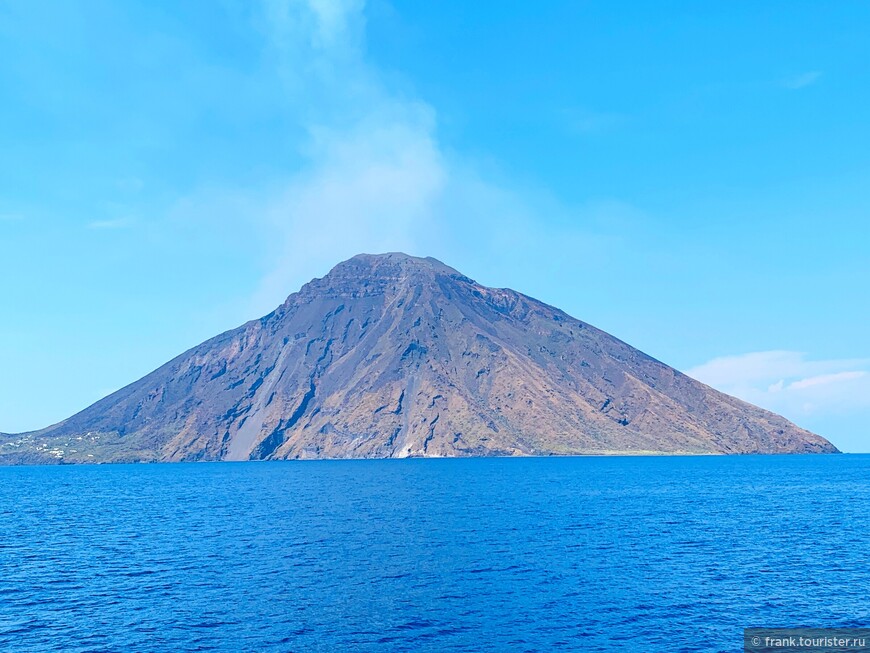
[391, 356]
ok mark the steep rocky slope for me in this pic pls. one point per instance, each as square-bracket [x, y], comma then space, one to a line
[395, 356]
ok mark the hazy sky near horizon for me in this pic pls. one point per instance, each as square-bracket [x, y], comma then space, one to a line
[693, 178]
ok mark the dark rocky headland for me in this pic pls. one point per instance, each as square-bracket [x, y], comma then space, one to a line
[394, 356]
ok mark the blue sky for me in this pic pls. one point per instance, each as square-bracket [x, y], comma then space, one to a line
[691, 177]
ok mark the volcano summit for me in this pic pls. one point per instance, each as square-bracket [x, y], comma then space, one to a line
[392, 356]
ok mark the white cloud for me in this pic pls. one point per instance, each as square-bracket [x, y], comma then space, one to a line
[369, 189]
[375, 176]
[825, 379]
[335, 18]
[802, 81]
[374, 170]
[787, 383]
[325, 25]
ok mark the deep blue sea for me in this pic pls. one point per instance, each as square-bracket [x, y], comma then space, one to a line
[551, 554]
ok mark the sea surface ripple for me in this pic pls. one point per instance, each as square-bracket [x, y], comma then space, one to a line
[554, 554]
